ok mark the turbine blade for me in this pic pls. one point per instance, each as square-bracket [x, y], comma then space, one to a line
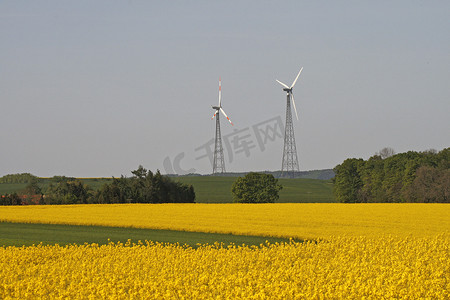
[296, 78]
[293, 102]
[220, 91]
[214, 114]
[226, 116]
[282, 83]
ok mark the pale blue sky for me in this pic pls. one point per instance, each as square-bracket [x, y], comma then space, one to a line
[95, 88]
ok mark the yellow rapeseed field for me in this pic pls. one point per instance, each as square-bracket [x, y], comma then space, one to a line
[341, 268]
[362, 251]
[308, 221]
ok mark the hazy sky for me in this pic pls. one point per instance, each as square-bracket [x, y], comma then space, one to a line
[96, 88]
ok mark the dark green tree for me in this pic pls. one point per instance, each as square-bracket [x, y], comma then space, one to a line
[67, 192]
[32, 188]
[347, 182]
[256, 188]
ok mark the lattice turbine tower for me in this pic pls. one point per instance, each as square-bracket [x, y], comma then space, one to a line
[289, 164]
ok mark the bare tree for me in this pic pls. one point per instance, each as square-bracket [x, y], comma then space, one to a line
[430, 151]
[385, 152]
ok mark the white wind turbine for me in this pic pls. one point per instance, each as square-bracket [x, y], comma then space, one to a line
[290, 161]
[219, 161]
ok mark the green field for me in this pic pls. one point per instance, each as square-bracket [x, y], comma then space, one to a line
[217, 189]
[95, 183]
[8, 188]
[19, 234]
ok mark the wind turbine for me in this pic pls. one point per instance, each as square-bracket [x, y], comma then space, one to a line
[219, 161]
[290, 160]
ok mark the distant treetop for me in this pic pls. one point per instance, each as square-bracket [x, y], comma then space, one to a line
[18, 178]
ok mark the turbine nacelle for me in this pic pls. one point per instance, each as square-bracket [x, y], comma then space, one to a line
[288, 90]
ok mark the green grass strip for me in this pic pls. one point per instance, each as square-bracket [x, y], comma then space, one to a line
[217, 189]
[21, 234]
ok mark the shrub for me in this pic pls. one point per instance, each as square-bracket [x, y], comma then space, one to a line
[256, 188]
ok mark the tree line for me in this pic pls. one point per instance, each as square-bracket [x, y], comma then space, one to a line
[18, 178]
[388, 177]
[143, 187]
